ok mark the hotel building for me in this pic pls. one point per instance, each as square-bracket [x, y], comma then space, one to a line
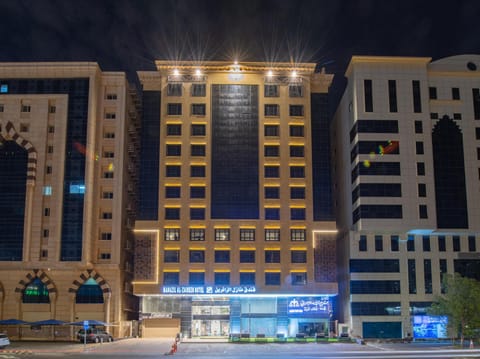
[235, 232]
[68, 145]
[407, 172]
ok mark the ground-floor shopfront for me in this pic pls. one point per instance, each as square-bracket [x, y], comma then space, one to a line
[217, 316]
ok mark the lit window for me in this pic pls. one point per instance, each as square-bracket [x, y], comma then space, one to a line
[172, 234]
[3, 88]
[47, 190]
[297, 235]
[222, 234]
[197, 234]
[272, 234]
[247, 234]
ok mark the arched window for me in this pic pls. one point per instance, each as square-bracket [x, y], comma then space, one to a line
[89, 293]
[35, 292]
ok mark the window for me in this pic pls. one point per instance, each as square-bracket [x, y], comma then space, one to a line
[476, 103]
[106, 215]
[51, 129]
[472, 245]
[247, 256]
[171, 278]
[297, 235]
[412, 277]
[25, 108]
[1, 107]
[434, 115]
[455, 93]
[272, 171]
[297, 214]
[394, 243]
[272, 213]
[47, 190]
[272, 192]
[24, 127]
[198, 90]
[296, 110]
[297, 172]
[109, 135]
[174, 89]
[272, 256]
[272, 278]
[222, 256]
[3, 88]
[174, 109]
[222, 234]
[197, 150]
[410, 243]
[46, 212]
[171, 256]
[108, 174]
[198, 130]
[105, 256]
[197, 192]
[89, 292]
[197, 256]
[108, 154]
[432, 92]
[247, 278]
[419, 148]
[247, 234]
[174, 130]
[392, 95]
[298, 256]
[271, 130]
[427, 275]
[422, 190]
[297, 151]
[272, 151]
[49, 170]
[174, 150]
[378, 243]
[418, 127]
[426, 243]
[46, 233]
[442, 244]
[172, 213]
[270, 91]
[173, 171]
[295, 91]
[456, 243]
[362, 243]
[44, 253]
[35, 292]
[272, 110]
[197, 234]
[222, 278]
[110, 115]
[457, 116]
[417, 100]
[296, 131]
[422, 210]
[297, 192]
[197, 213]
[111, 96]
[443, 270]
[198, 109]
[197, 171]
[368, 95]
[196, 278]
[106, 236]
[172, 234]
[420, 169]
[299, 278]
[172, 191]
[272, 234]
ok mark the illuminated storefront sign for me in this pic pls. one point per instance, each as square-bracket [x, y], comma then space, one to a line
[309, 305]
[196, 290]
[429, 327]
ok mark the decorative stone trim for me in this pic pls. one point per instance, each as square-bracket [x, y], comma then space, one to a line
[36, 273]
[84, 276]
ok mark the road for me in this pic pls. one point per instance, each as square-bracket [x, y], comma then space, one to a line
[155, 348]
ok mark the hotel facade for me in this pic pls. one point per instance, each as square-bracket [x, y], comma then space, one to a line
[235, 232]
[407, 169]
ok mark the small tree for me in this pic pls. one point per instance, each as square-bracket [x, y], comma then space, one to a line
[461, 304]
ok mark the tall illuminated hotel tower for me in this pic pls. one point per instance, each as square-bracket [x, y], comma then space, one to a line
[235, 231]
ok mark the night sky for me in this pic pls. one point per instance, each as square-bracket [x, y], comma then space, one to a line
[128, 35]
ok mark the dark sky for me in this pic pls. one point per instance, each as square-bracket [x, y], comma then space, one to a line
[128, 35]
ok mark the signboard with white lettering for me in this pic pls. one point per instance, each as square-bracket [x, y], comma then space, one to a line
[197, 290]
[309, 305]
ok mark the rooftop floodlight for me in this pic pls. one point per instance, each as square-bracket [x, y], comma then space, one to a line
[294, 73]
[198, 72]
[176, 72]
[269, 73]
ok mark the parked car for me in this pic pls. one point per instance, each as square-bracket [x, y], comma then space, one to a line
[4, 341]
[94, 335]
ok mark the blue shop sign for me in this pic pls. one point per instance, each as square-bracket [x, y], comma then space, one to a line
[209, 290]
[309, 305]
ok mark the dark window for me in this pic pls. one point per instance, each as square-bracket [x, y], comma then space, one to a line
[472, 245]
[172, 234]
[36, 292]
[410, 243]
[297, 235]
[299, 278]
[375, 287]
[378, 243]
[174, 89]
[272, 192]
[477, 133]
[247, 278]
[377, 190]
[297, 151]
[272, 213]
[422, 190]
[222, 278]
[418, 127]
[196, 278]
[197, 256]
[271, 130]
[172, 213]
[478, 153]
[419, 148]
[247, 234]
[432, 92]
[297, 172]
[198, 90]
[457, 116]
[434, 115]
[299, 256]
[171, 256]
[368, 94]
[198, 109]
[297, 192]
[198, 130]
[427, 275]
[392, 95]
[197, 234]
[296, 131]
[376, 169]
[394, 240]
[197, 150]
[362, 243]
[442, 244]
[426, 243]
[272, 278]
[377, 147]
[456, 243]
[374, 266]
[476, 103]
[297, 214]
[374, 126]
[412, 277]
[173, 171]
[222, 234]
[455, 93]
[295, 91]
[417, 100]
[197, 213]
[443, 270]
[272, 151]
[197, 192]
[197, 171]
[172, 192]
[89, 293]
[422, 211]
[296, 110]
[272, 171]
[174, 109]
[272, 110]
[247, 256]
[376, 308]
[222, 256]
[420, 169]
[174, 150]
[270, 91]
[171, 278]
[377, 211]
[272, 256]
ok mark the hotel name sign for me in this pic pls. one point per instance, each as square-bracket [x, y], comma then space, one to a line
[196, 290]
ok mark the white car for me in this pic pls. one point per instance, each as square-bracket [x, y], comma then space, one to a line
[4, 341]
